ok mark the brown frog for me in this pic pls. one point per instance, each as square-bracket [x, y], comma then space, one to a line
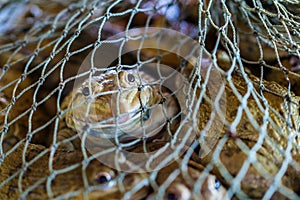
[174, 182]
[124, 105]
[71, 176]
[292, 70]
[19, 118]
[251, 125]
[176, 179]
[267, 110]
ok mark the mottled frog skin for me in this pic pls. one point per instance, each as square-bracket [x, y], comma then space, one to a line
[122, 105]
[180, 184]
[250, 126]
[73, 178]
[17, 97]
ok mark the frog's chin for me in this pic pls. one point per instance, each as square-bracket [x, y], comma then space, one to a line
[109, 125]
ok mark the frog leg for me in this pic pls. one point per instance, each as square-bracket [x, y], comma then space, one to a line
[68, 139]
[11, 138]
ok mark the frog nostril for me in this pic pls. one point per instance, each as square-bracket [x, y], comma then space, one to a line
[103, 177]
[217, 184]
[86, 91]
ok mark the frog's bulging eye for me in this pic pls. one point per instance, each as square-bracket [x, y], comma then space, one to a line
[130, 78]
[103, 177]
[86, 91]
[172, 196]
[217, 184]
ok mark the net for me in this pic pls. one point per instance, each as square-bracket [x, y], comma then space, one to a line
[149, 99]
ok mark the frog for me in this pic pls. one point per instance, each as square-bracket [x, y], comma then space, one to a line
[72, 176]
[130, 107]
[17, 92]
[182, 184]
[283, 105]
[292, 71]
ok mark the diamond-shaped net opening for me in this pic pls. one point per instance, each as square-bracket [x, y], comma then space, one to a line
[150, 99]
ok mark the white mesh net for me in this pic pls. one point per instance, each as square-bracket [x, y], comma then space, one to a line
[150, 99]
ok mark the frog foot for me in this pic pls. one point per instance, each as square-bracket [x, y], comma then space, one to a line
[64, 140]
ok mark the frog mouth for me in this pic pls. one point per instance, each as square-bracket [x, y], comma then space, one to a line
[122, 120]
[131, 117]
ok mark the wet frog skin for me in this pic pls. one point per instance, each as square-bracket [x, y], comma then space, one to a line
[183, 175]
[182, 185]
[16, 97]
[121, 103]
[270, 153]
[68, 181]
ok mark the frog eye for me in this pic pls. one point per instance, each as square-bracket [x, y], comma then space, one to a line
[103, 177]
[172, 196]
[217, 184]
[130, 78]
[86, 91]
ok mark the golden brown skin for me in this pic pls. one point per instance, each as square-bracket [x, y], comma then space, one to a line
[183, 183]
[292, 66]
[102, 181]
[103, 107]
[270, 154]
[23, 92]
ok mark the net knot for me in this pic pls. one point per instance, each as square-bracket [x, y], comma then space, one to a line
[4, 129]
[23, 76]
[262, 62]
[77, 32]
[90, 99]
[280, 16]
[83, 8]
[262, 87]
[2, 158]
[52, 175]
[61, 85]
[52, 55]
[97, 44]
[25, 167]
[206, 13]
[36, 52]
[107, 16]
[13, 100]
[92, 11]
[231, 132]
[34, 106]
[6, 67]
[59, 114]
[64, 33]
[28, 137]
[144, 138]
[134, 10]
[41, 80]
[54, 147]
[67, 56]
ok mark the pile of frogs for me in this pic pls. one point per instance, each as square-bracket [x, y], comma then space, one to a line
[118, 134]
